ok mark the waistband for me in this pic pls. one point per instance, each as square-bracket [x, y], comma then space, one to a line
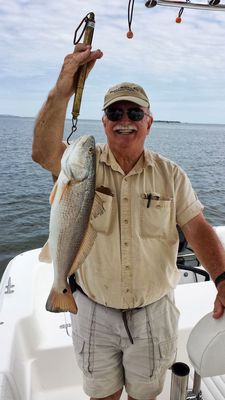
[74, 286]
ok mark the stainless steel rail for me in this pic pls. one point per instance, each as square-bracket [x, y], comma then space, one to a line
[184, 4]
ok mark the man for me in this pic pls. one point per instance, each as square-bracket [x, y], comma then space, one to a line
[126, 328]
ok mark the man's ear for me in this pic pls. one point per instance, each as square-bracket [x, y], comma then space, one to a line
[150, 121]
[103, 120]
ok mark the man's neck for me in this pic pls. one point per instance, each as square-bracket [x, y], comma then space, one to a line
[126, 161]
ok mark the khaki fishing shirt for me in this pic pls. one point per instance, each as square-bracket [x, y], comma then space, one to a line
[133, 260]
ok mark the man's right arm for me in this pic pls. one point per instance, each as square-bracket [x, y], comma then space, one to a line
[47, 147]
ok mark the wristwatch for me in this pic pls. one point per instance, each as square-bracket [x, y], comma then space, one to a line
[220, 278]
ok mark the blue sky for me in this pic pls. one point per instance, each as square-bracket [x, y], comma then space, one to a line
[181, 66]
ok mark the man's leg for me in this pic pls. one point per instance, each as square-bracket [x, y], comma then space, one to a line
[154, 330]
[97, 348]
[115, 396]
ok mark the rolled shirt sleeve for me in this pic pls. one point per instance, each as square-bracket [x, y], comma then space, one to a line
[188, 205]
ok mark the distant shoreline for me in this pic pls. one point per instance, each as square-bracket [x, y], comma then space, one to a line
[156, 121]
[18, 116]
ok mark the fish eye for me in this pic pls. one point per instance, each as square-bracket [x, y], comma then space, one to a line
[90, 150]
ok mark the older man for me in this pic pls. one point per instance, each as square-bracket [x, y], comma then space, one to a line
[125, 331]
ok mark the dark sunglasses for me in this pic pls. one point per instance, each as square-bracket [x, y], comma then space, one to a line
[116, 114]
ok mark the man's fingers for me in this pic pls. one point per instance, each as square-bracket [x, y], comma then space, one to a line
[84, 55]
[81, 47]
[218, 308]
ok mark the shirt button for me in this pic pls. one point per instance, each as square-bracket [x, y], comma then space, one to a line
[127, 267]
[125, 243]
[125, 199]
[127, 290]
[126, 221]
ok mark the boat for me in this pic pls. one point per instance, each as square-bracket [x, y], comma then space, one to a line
[37, 360]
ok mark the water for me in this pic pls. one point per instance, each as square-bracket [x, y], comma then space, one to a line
[25, 186]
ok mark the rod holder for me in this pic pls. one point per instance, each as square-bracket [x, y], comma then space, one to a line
[179, 381]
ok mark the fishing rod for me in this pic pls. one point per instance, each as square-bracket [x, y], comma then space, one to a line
[87, 32]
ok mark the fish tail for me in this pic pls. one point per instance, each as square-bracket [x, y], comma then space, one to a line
[61, 302]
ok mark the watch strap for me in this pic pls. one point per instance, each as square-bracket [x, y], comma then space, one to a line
[220, 278]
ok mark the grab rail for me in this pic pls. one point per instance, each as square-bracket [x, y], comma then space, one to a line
[185, 4]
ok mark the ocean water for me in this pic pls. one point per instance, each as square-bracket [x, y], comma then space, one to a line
[25, 186]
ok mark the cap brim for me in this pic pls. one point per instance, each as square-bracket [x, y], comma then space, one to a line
[140, 102]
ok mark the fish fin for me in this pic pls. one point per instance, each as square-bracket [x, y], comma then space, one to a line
[53, 193]
[89, 237]
[61, 302]
[97, 207]
[64, 185]
[45, 255]
[85, 248]
[64, 189]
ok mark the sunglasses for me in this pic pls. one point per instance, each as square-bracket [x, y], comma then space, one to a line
[116, 114]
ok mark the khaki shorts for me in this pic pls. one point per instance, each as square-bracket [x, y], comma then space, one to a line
[106, 355]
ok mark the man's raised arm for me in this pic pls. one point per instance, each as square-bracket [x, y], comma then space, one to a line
[47, 149]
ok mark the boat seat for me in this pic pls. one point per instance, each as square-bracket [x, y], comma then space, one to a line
[206, 346]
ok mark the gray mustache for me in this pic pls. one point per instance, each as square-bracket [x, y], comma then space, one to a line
[125, 127]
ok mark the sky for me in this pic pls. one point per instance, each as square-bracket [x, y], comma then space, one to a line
[180, 66]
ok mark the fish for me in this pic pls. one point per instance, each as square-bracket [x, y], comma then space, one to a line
[74, 204]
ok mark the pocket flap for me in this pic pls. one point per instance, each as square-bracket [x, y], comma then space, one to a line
[168, 348]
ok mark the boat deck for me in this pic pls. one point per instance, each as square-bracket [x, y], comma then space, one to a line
[37, 360]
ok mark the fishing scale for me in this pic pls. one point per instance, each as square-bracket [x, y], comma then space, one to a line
[87, 32]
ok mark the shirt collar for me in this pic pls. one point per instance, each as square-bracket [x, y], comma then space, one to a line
[108, 158]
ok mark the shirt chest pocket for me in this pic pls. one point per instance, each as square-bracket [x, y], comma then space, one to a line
[157, 218]
[103, 223]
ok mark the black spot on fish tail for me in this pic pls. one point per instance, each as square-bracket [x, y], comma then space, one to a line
[61, 302]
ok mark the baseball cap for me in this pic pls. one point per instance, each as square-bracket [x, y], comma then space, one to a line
[126, 91]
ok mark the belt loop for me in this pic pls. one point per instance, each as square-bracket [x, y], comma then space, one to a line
[124, 316]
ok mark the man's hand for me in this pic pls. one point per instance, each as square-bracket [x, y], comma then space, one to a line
[210, 252]
[67, 78]
[219, 303]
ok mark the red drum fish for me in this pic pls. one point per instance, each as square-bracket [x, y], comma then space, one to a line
[71, 236]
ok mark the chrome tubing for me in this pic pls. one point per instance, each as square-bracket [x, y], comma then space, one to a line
[179, 381]
[186, 4]
[197, 385]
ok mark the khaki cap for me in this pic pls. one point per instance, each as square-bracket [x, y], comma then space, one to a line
[126, 91]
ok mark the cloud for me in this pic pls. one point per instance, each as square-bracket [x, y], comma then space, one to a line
[179, 61]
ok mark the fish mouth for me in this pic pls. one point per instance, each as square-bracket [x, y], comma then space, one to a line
[125, 130]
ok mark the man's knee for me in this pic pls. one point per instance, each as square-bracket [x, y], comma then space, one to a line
[115, 396]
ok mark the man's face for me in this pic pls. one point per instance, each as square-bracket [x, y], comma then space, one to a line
[126, 133]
